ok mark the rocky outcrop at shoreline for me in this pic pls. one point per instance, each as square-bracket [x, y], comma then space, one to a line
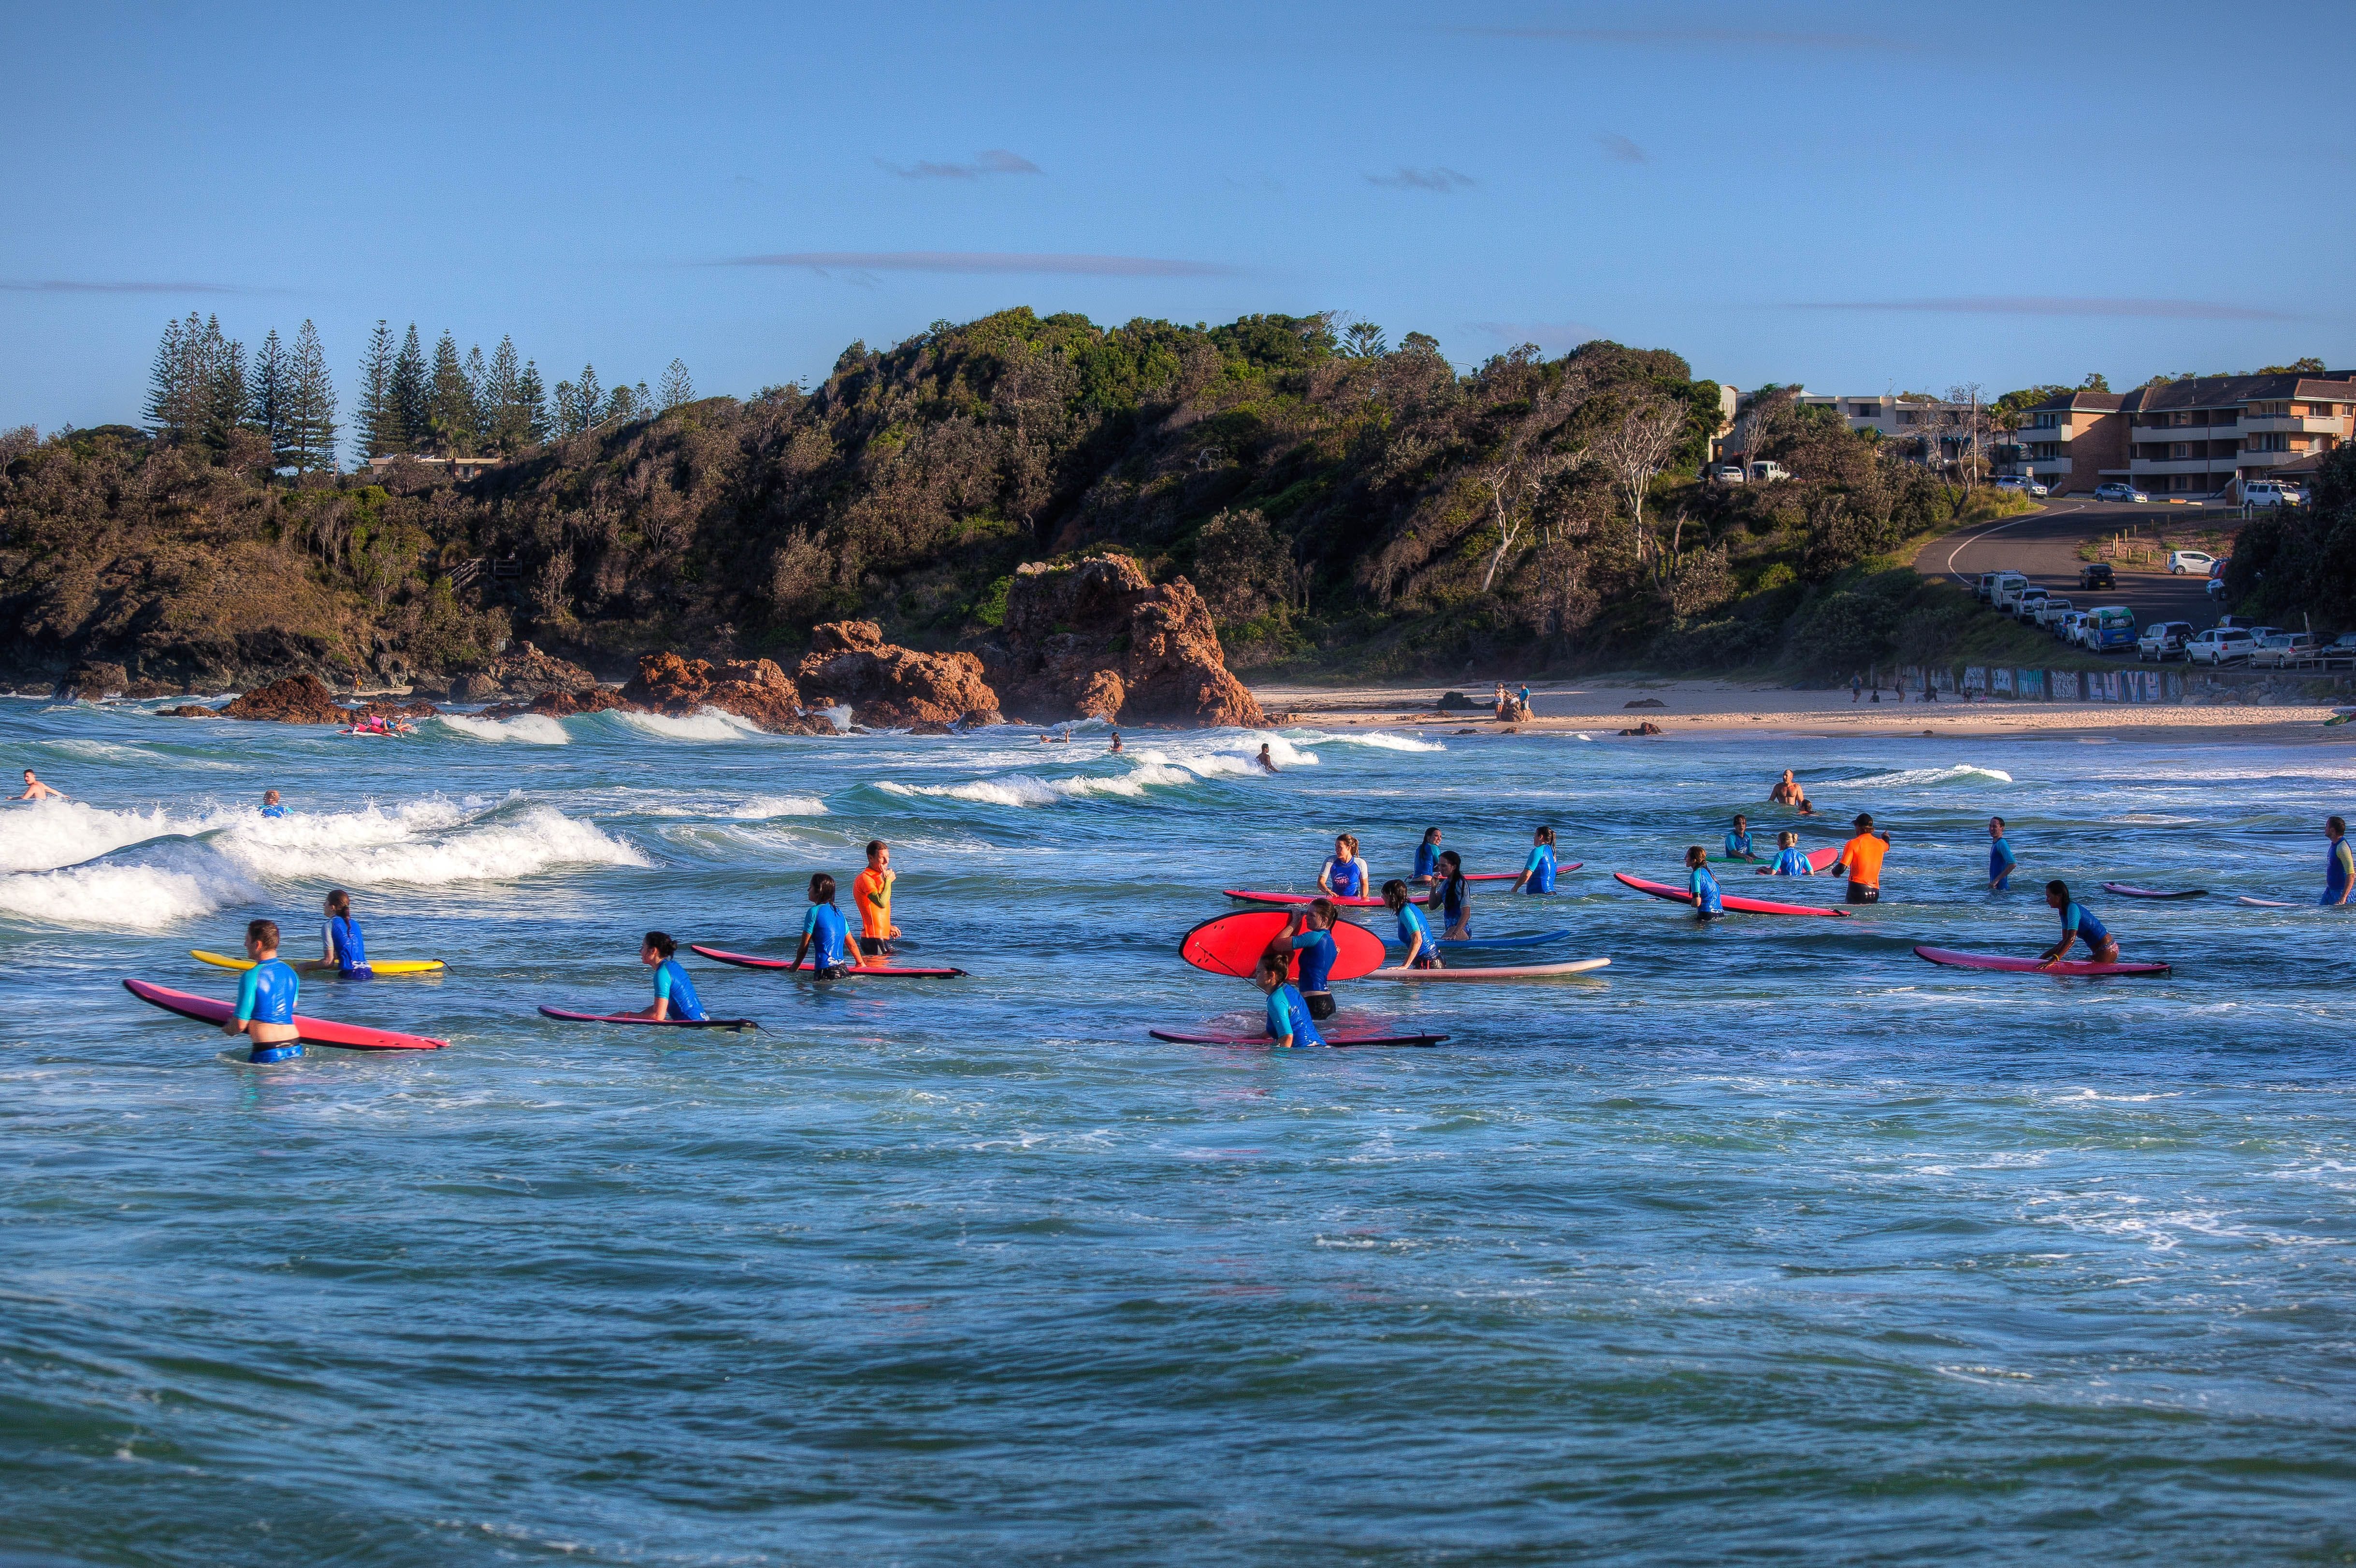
[755, 689]
[522, 672]
[300, 699]
[1097, 640]
[890, 688]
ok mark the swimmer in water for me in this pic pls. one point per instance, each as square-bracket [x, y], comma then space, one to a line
[675, 995]
[1538, 873]
[36, 790]
[871, 895]
[824, 935]
[2340, 870]
[1116, 743]
[1738, 842]
[1788, 793]
[1452, 899]
[1414, 931]
[1427, 858]
[346, 951]
[1288, 1022]
[1264, 759]
[270, 806]
[265, 998]
[2078, 923]
[1788, 861]
[2001, 859]
[1311, 937]
[1343, 876]
[1708, 903]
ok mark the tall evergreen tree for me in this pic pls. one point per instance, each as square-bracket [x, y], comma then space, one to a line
[507, 421]
[222, 396]
[588, 401]
[375, 419]
[532, 402]
[412, 395]
[677, 387]
[451, 415]
[171, 386]
[310, 405]
[266, 397]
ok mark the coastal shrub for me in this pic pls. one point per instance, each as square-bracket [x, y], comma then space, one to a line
[1838, 632]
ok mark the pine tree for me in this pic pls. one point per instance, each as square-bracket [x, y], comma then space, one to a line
[412, 395]
[588, 401]
[479, 387]
[220, 398]
[676, 387]
[171, 385]
[266, 397]
[311, 404]
[507, 421]
[533, 404]
[374, 418]
[450, 413]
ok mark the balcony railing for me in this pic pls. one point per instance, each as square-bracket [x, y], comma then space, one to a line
[2296, 424]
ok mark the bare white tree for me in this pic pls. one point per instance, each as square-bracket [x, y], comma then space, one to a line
[1635, 451]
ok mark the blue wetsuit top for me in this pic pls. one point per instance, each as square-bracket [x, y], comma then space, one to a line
[351, 951]
[2081, 918]
[1704, 888]
[265, 993]
[1411, 924]
[1427, 860]
[1348, 879]
[1288, 1014]
[2001, 861]
[2339, 871]
[1793, 863]
[1541, 867]
[274, 811]
[828, 936]
[1317, 953]
[672, 984]
[1738, 845]
[1454, 893]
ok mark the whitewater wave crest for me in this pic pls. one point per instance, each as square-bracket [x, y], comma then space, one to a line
[710, 724]
[123, 898]
[1381, 739]
[533, 729]
[46, 833]
[762, 807]
[1961, 772]
[502, 848]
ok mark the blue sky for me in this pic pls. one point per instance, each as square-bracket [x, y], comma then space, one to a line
[1859, 198]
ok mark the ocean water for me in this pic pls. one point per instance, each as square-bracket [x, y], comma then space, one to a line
[1769, 1243]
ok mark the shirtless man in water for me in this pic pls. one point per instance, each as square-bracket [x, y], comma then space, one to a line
[36, 790]
[1787, 793]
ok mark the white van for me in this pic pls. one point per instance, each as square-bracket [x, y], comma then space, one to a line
[2268, 492]
[2004, 592]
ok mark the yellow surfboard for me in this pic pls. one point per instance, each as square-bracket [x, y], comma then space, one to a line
[380, 965]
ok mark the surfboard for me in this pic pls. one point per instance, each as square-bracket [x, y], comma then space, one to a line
[1521, 939]
[380, 967]
[1820, 859]
[861, 971]
[1733, 901]
[1179, 1037]
[1232, 943]
[1408, 877]
[2126, 891]
[310, 1030]
[2011, 966]
[1415, 895]
[1492, 972]
[2267, 904]
[573, 1018]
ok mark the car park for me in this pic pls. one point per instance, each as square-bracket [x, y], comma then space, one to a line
[2118, 490]
[2180, 561]
[2283, 650]
[2025, 602]
[2097, 574]
[2052, 608]
[2109, 626]
[2162, 641]
[2019, 484]
[2267, 494]
[2218, 644]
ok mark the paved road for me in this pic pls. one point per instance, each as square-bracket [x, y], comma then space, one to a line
[2043, 546]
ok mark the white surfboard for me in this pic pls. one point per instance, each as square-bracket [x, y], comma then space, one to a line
[1499, 972]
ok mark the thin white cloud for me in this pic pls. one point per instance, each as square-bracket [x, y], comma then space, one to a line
[994, 161]
[88, 286]
[1621, 150]
[1682, 37]
[986, 262]
[2042, 304]
[1554, 337]
[1433, 179]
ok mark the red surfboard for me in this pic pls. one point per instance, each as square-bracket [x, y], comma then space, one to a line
[573, 1018]
[1232, 944]
[1748, 906]
[864, 971]
[1821, 860]
[1179, 1038]
[2126, 891]
[312, 1032]
[2011, 966]
[1419, 895]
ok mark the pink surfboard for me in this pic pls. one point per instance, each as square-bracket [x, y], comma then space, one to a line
[2011, 965]
[311, 1032]
[1731, 901]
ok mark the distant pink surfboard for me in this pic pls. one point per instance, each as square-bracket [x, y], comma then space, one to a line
[2011, 966]
[1731, 901]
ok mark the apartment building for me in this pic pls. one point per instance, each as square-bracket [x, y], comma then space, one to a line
[2202, 437]
[1952, 428]
[2071, 443]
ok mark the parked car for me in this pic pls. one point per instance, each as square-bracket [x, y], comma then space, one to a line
[2215, 588]
[2006, 591]
[1985, 589]
[2052, 608]
[2119, 490]
[2180, 561]
[2269, 492]
[2097, 574]
[2162, 641]
[2344, 648]
[2025, 602]
[1727, 472]
[2071, 627]
[2218, 644]
[2247, 622]
[1765, 473]
[2020, 484]
[2109, 626]
[2283, 650]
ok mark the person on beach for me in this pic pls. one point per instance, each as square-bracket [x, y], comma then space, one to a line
[1708, 903]
[2078, 923]
[1414, 931]
[2001, 859]
[1861, 856]
[1427, 858]
[1453, 899]
[2340, 870]
[270, 805]
[871, 895]
[1857, 688]
[1788, 861]
[1312, 938]
[1288, 1022]
[1537, 872]
[1738, 841]
[340, 941]
[1343, 876]
[265, 998]
[1522, 699]
[1266, 763]
[825, 936]
[1501, 703]
[675, 995]
[36, 790]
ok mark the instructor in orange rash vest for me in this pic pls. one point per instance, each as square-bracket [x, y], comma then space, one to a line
[871, 890]
[1862, 856]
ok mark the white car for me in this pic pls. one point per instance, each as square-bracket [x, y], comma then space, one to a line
[2006, 590]
[2269, 492]
[2216, 590]
[2218, 644]
[2025, 602]
[2180, 561]
[2118, 490]
[1766, 473]
[2052, 608]
[2022, 484]
[1727, 473]
[2067, 625]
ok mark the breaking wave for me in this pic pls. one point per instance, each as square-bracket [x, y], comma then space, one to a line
[710, 724]
[1961, 772]
[534, 729]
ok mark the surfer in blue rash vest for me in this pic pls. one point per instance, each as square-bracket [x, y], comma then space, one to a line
[1738, 841]
[270, 806]
[675, 995]
[340, 938]
[824, 935]
[1788, 861]
[1312, 938]
[1452, 899]
[2078, 923]
[1343, 876]
[1414, 931]
[265, 998]
[1427, 858]
[1537, 874]
[2001, 859]
[1708, 903]
[1289, 1023]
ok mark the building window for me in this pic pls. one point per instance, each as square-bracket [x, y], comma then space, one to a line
[2181, 449]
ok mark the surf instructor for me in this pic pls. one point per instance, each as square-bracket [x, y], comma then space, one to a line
[1862, 857]
[871, 893]
[265, 998]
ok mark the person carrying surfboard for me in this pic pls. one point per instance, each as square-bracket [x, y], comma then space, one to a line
[1455, 899]
[36, 790]
[1709, 903]
[1738, 840]
[343, 947]
[1788, 861]
[1344, 875]
[1311, 937]
[824, 935]
[2001, 859]
[871, 894]
[1289, 1022]
[2078, 923]
[675, 995]
[1862, 857]
[1537, 872]
[265, 998]
[1414, 931]
[1427, 858]
[2340, 870]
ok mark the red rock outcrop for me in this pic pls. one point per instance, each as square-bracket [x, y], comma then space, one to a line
[1096, 639]
[892, 688]
[301, 700]
[523, 671]
[561, 704]
[750, 689]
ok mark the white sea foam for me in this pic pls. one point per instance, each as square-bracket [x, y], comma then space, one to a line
[1961, 772]
[534, 729]
[1381, 739]
[43, 834]
[710, 724]
[762, 807]
[119, 898]
[503, 849]
[105, 751]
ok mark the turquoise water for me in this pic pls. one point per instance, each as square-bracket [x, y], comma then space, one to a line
[1770, 1243]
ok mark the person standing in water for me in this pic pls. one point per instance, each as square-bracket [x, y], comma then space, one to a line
[1312, 938]
[36, 790]
[1537, 872]
[1708, 903]
[1289, 1022]
[675, 997]
[1114, 747]
[1266, 762]
[1453, 899]
[2001, 859]
[265, 998]
[1343, 876]
[1738, 841]
[1788, 861]
[270, 804]
[1427, 858]
[824, 935]
[1414, 931]
[2078, 923]
[2340, 870]
[1861, 856]
[345, 950]
[871, 895]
